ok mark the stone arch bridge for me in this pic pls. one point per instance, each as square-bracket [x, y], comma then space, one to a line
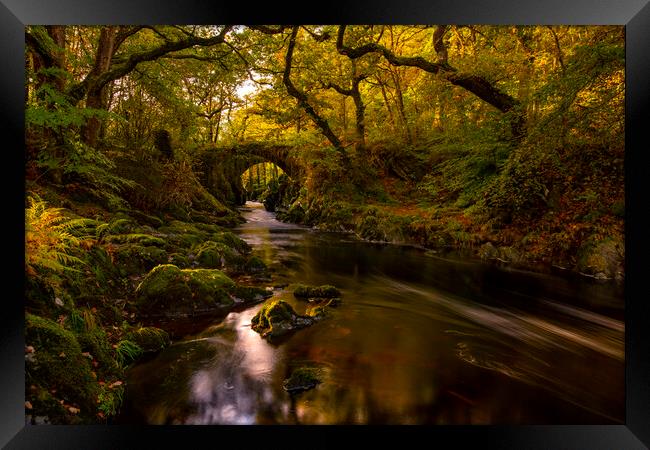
[222, 167]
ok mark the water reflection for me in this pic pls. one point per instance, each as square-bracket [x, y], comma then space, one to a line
[417, 340]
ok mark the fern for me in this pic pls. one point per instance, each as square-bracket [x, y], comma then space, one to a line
[49, 241]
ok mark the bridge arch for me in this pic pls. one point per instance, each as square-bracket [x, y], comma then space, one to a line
[222, 167]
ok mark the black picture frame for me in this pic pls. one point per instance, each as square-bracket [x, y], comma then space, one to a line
[634, 14]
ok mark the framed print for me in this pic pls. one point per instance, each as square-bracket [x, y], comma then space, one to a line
[387, 221]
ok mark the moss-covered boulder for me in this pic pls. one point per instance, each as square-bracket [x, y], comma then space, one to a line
[255, 265]
[602, 259]
[135, 238]
[133, 259]
[232, 241]
[488, 251]
[277, 318]
[57, 364]
[179, 260]
[207, 227]
[166, 289]
[95, 344]
[183, 235]
[324, 291]
[510, 255]
[146, 219]
[40, 295]
[302, 379]
[149, 339]
[217, 255]
[45, 408]
[180, 227]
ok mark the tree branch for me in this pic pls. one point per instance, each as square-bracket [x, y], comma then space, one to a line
[78, 91]
[302, 97]
[475, 84]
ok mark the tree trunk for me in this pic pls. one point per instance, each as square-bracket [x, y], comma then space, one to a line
[57, 33]
[400, 106]
[96, 98]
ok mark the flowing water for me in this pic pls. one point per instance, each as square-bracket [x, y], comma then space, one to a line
[420, 338]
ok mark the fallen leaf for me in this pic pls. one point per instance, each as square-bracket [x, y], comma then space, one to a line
[29, 349]
[115, 384]
[100, 415]
[58, 301]
[87, 355]
[62, 355]
[73, 410]
[28, 405]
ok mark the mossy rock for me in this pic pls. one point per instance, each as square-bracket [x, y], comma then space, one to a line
[39, 295]
[149, 339]
[233, 241]
[207, 227]
[178, 212]
[230, 220]
[46, 407]
[488, 251]
[324, 291]
[96, 343]
[180, 227]
[217, 255]
[302, 379]
[204, 201]
[178, 242]
[369, 228]
[166, 289]
[146, 219]
[603, 259]
[255, 265]
[203, 217]
[133, 259]
[511, 255]
[295, 213]
[277, 318]
[57, 363]
[179, 260]
[135, 238]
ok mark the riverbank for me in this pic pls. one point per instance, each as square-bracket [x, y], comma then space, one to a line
[576, 239]
[107, 288]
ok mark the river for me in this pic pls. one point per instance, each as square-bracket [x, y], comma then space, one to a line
[420, 338]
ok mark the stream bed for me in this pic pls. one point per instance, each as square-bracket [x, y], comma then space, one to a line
[420, 338]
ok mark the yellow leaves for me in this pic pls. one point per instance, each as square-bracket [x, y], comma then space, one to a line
[48, 243]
